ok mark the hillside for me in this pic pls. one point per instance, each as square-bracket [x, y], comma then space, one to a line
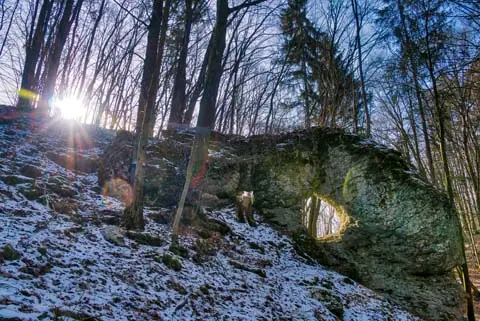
[62, 256]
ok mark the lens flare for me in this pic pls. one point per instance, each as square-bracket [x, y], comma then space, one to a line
[69, 108]
[27, 94]
[119, 189]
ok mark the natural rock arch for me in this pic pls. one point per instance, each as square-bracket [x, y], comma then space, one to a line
[400, 237]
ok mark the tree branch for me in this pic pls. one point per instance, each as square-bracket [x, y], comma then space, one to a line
[246, 4]
[130, 13]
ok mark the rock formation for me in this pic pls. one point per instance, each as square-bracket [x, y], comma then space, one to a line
[399, 235]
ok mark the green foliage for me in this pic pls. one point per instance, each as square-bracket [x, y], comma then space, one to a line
[171, 262]
[205, 289]
[179, 250]
[9, 253]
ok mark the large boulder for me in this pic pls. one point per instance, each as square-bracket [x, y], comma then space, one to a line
[400, 236]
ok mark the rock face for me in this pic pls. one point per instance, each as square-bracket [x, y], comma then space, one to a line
[165, 171]
[399, 235]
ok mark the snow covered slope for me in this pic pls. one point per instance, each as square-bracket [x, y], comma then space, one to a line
[57, 264]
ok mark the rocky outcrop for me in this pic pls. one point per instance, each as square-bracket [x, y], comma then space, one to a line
[399, 235]
[165, 170]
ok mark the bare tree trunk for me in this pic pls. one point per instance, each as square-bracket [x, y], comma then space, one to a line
[360, 66]
[313, 216]
[89, 47]
[179, 97]
[269, 121]
[418, 93]
[148, 94]
[53, 61]
[160, 53]
[199, 85]
[195, 163]
[413, 125]
[26, 101]
[68, 62]
[133, 214]
[206, 116]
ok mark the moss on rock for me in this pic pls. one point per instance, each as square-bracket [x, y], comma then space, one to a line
[395, 226]
[171, 262]
[9, 253]
[31, 171]
[144, 238]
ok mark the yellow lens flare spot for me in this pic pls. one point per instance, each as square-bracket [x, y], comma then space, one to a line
[69, 108]
[27, 94]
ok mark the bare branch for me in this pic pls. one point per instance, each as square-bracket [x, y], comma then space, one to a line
[246, 4]
[130, 13]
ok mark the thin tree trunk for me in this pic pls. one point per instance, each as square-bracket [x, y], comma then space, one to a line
[416, 151]
[418, 92]
[307, 95]
[179, 97]
[194, 167]
[67, 65]
[9, 27]
[206, 117]
[360, 66]
[26, 100]
[269, 121]
[313, 216]
[199, 85]
[133, 214]
[89, 48]
[53, 61]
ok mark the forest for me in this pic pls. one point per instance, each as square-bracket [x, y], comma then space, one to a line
[404, 73]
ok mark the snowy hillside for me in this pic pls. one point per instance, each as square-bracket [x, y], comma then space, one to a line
[61, 260]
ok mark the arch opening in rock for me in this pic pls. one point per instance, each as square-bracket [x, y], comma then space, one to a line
[322, 218]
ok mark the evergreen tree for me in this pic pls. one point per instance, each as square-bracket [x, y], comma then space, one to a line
[328, 86]
[300, 50]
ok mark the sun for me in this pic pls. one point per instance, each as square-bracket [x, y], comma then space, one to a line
[69, 108]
